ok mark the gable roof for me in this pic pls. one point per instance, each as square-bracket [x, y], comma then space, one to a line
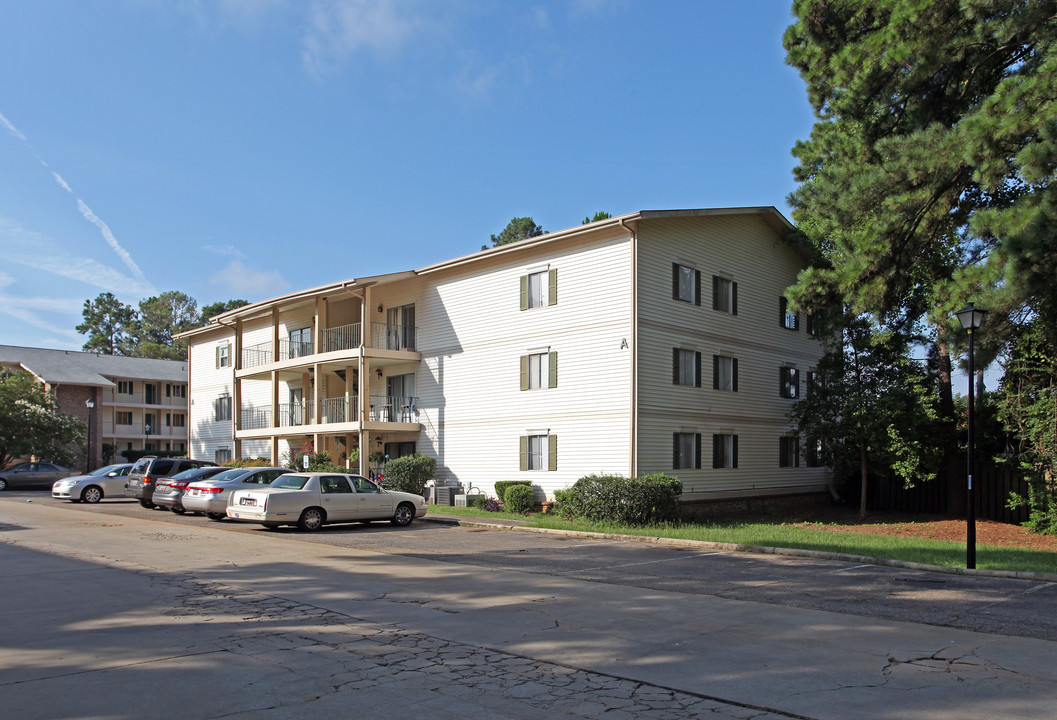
[70, 367]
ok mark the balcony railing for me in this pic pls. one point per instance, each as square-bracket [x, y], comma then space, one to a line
[255, 355]
[384, 408]
[139, 398]
[256, 418]
[393, 337]
[138, 429]
[344, 337]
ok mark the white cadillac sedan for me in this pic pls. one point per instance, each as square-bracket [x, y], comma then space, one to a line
[310, 500]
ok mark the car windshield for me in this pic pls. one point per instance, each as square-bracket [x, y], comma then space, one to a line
[290, 482]
[141, 465]
[105, 469]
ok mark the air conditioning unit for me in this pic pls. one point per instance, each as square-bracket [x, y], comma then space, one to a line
[445, 495]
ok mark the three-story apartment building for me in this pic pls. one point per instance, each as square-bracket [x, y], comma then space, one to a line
[657, 341]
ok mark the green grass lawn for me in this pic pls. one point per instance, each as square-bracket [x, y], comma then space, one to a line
[780, 535]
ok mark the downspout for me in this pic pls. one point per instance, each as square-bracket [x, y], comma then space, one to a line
[633, 461]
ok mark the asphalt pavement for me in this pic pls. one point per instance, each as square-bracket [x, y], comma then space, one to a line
[120, 616]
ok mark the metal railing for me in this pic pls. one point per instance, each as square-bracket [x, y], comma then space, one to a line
[341, 409]
[344, 337]
[293, 414]
[393, 337]
[289, 350]
[393, 408]
[255, 355]
[256, 418]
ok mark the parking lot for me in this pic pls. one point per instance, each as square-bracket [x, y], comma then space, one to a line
[719, 634]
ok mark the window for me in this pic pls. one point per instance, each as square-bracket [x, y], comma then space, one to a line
[724, 451]
[539, 289]
[724, 295]
[539, 452]
[789, 451]
[686, 451]
[539, 370]
[123, 418]
[813, 454]
[724, 373]
[223, 408]
[787, 319]
[124, 387]
[221, 456]
[789, 382]
[224, 355]
[300, 342]
[176, 391]
[178, 421]
[686, 367]
[686, 284]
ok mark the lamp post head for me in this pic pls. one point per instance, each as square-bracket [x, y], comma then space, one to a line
[970, 317]
[89, 404]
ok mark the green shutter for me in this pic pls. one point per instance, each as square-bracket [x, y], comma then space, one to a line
[715, 372]
[524, 372]
[218, 356]
[552, 287]
[524, 452]
[697, 369]
[524, 292]
[552, 369]
[734, 374]
[552, 452]
[697, 451]
[733, 298]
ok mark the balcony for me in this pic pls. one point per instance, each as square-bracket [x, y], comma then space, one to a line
[336, 410]
[345, 337]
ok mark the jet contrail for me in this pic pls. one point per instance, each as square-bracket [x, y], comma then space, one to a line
[85, 211]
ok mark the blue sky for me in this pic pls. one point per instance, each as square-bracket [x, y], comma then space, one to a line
[247, 148]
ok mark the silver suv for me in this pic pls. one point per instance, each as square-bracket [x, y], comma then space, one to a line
[145, 473]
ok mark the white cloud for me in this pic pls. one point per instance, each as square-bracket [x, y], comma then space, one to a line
[240, 280]
[11, 128]
[224, 250]
[62, 183]
[40, 252]
[339, 28]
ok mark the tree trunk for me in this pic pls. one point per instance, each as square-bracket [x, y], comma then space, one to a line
[956, 491]
[864, 474]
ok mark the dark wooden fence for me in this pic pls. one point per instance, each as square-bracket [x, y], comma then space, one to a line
[993, 488]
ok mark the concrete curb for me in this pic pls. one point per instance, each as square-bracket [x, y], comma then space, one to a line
[734, 547]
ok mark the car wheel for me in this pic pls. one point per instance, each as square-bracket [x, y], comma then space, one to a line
[92, 494]
[215, 516]
[405, 513]
[311, 519]
[146, 504]
[3, 483]
[178, 509]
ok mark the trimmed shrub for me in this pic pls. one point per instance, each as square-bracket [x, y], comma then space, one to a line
[502, 485]
[519, 498]
[479, 501]
[409, 473]
[628, 501]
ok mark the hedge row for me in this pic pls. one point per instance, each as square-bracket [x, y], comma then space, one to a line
[615, 498]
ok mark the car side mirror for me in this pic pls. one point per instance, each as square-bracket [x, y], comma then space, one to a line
[112, 474]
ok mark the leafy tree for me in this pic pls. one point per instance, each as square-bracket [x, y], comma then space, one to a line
[520, 228]
[209, 311]
[1027, 403]
[161, 317]
[600, 215]
[31, 424]
[872, 408]
[108, 323]
[928, 179]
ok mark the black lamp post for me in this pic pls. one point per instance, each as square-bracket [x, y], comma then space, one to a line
[971, 318]
[88, 456]
[146, 430]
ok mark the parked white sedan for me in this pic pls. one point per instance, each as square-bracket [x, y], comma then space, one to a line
[310, 500]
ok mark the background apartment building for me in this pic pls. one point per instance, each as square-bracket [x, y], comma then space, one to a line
[136, 403]
[657, 341]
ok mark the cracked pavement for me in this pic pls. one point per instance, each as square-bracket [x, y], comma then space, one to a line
[109, 619]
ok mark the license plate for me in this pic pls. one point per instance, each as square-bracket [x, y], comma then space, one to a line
[247, 501]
